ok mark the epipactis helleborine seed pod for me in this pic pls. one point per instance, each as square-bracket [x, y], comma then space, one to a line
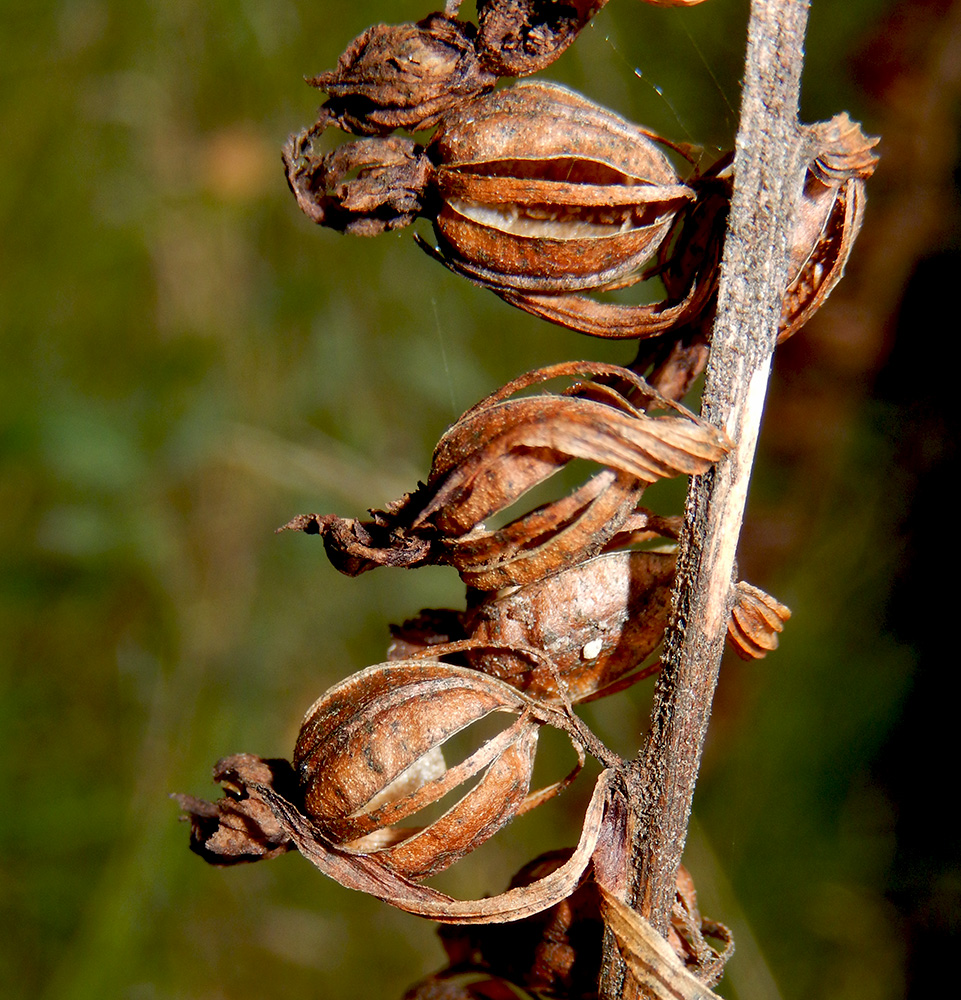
[367, 757]
[542, 190]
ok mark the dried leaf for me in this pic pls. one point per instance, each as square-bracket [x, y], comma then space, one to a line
[651, 960]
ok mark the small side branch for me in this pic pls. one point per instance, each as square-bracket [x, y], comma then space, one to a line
[769, 172]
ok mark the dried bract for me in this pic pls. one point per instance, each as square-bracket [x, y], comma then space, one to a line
[503, 447]
[543, 190]
[404, 76]
[829, 217]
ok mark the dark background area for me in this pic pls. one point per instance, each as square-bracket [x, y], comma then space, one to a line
[186, 363]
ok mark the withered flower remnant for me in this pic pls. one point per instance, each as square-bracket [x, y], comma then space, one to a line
[520, 37]
[404, 76]
[365, 187]
[503, 447]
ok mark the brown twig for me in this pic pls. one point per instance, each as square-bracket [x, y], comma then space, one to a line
[769, 171]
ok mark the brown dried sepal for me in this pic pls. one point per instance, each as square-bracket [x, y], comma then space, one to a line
[404, 76]
[240, 826]
[367, 757]
[542, 190]
[364, 187]
[756, 621]
[503, 447]
[829, 217]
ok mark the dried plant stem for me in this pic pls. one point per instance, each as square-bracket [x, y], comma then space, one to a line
[769, 171]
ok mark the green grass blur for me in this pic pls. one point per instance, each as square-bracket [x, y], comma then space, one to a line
[185, 363]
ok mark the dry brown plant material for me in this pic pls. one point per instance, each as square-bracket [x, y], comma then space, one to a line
[403, 76]
[580, 634]
[519, 37]
[557, 952]
[368, 756]
[757, 619]
[543, 197]
[503, 447]
[543, 190]
[829, 217]
[367, 871]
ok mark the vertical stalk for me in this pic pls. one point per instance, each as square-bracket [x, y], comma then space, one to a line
[767, 186]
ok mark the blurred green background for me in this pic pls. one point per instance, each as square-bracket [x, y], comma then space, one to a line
[186, 363]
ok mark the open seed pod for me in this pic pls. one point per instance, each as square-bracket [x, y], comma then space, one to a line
[368, 756]
[595, 622]
[388, 861]
[829, 216]
[503, 447]
[587, 627]
[542, 190]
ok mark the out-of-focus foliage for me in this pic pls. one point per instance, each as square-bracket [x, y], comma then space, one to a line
[185, 362]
